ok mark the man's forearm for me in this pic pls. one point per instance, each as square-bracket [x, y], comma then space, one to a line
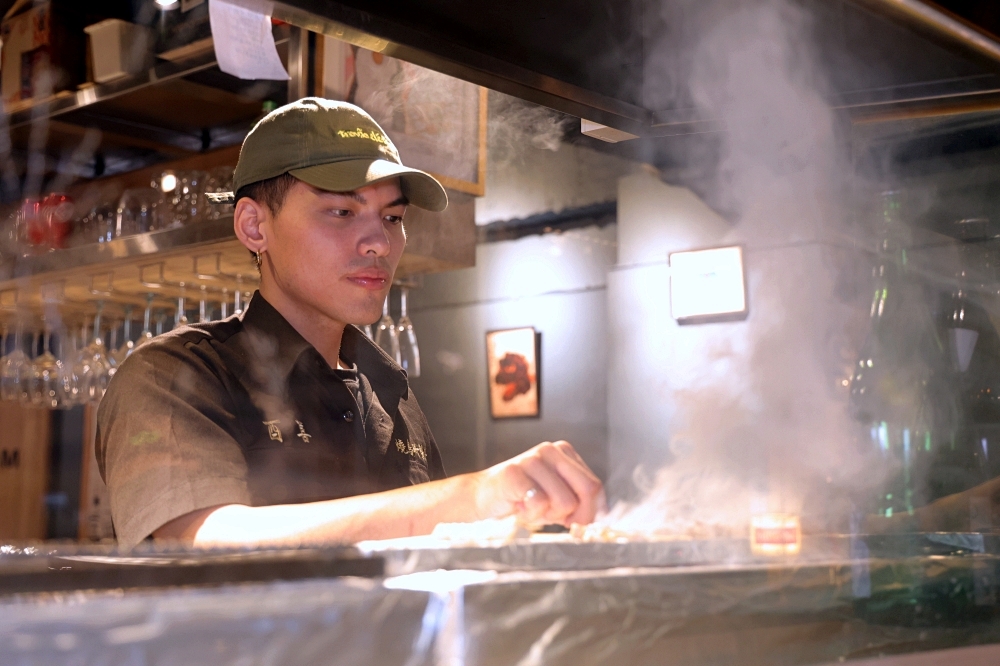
[396, 513]
[548, 483]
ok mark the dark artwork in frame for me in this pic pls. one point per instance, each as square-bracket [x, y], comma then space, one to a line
[512, 364]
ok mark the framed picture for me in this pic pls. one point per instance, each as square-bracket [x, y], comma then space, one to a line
[512, 368]
[437, 122]
[708, 286]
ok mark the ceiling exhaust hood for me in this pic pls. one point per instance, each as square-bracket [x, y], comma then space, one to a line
[591, 59]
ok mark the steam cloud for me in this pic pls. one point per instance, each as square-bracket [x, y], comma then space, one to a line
[763, 425]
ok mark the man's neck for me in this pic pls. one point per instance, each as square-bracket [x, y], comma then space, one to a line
[317, 329]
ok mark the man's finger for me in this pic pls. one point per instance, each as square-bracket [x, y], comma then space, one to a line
[580, 478]
[562, 500]
[526, 498]
[568, 449]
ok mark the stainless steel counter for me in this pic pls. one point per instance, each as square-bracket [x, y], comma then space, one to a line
[542, 603]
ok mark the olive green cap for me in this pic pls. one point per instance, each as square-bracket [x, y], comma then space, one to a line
[330, 145]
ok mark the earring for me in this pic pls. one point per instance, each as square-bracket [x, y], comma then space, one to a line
[256, 258]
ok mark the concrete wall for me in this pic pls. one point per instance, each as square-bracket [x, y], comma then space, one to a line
[555, 283]
[537, 180]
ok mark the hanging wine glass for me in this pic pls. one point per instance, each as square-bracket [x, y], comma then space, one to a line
[385, 334]
[238, 301]
[203, 315]
[146, 335]
[14, 368]
[46, 373]
[367, 330]
[24, 373]
[71, 351]
[119, 354]
[112, 346]
[409, 352]
[180, 317]
[100, 366]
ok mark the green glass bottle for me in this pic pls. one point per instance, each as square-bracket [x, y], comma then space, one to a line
[902, 390]
[974, 351]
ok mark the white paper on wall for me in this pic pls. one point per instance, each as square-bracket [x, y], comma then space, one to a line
[707, 283]
[244, 44]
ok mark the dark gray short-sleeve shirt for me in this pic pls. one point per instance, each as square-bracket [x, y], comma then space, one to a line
[245, 411]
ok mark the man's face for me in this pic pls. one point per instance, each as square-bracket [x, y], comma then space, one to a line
[336, 253]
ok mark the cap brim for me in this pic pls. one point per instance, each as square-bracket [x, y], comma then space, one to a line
[421, 189]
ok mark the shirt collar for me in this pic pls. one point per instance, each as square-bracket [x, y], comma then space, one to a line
[284, 345]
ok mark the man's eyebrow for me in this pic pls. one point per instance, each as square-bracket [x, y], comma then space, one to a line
[353, 195]
[401, 201]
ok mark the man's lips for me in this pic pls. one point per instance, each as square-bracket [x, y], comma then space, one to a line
[369, 279]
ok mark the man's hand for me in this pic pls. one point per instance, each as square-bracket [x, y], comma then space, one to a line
[549, 483]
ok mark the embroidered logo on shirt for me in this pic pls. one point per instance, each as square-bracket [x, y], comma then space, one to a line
[411, 449]
[303, 435]
[272, 430]
[144, 437]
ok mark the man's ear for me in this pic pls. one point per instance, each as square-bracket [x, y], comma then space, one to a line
[250, 223]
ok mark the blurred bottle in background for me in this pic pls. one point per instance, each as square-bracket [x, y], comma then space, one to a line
[903, 388]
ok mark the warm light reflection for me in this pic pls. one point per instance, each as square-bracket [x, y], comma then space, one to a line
[775, 534]
[168, 182]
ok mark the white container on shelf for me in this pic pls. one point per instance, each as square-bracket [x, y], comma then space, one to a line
[118, 48]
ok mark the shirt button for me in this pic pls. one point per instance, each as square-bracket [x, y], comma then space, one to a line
[349, 416]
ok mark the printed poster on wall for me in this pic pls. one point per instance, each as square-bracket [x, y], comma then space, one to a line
[512, 367]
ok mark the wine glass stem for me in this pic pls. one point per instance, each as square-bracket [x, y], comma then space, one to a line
[385, 306]
[127, 327]
[403, 293]
[97, 319]
[145, 316]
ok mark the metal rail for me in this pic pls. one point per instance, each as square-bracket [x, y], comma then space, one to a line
[935, 20]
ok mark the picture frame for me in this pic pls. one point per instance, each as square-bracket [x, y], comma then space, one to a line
[708, 285]
[512, 369]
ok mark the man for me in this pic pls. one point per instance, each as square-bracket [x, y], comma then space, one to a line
[286, 425]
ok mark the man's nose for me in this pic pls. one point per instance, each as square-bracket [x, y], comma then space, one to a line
[375, 239]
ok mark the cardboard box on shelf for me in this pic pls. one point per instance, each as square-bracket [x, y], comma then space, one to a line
[118, 48]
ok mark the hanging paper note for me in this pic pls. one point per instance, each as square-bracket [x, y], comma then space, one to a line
[244, 45]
